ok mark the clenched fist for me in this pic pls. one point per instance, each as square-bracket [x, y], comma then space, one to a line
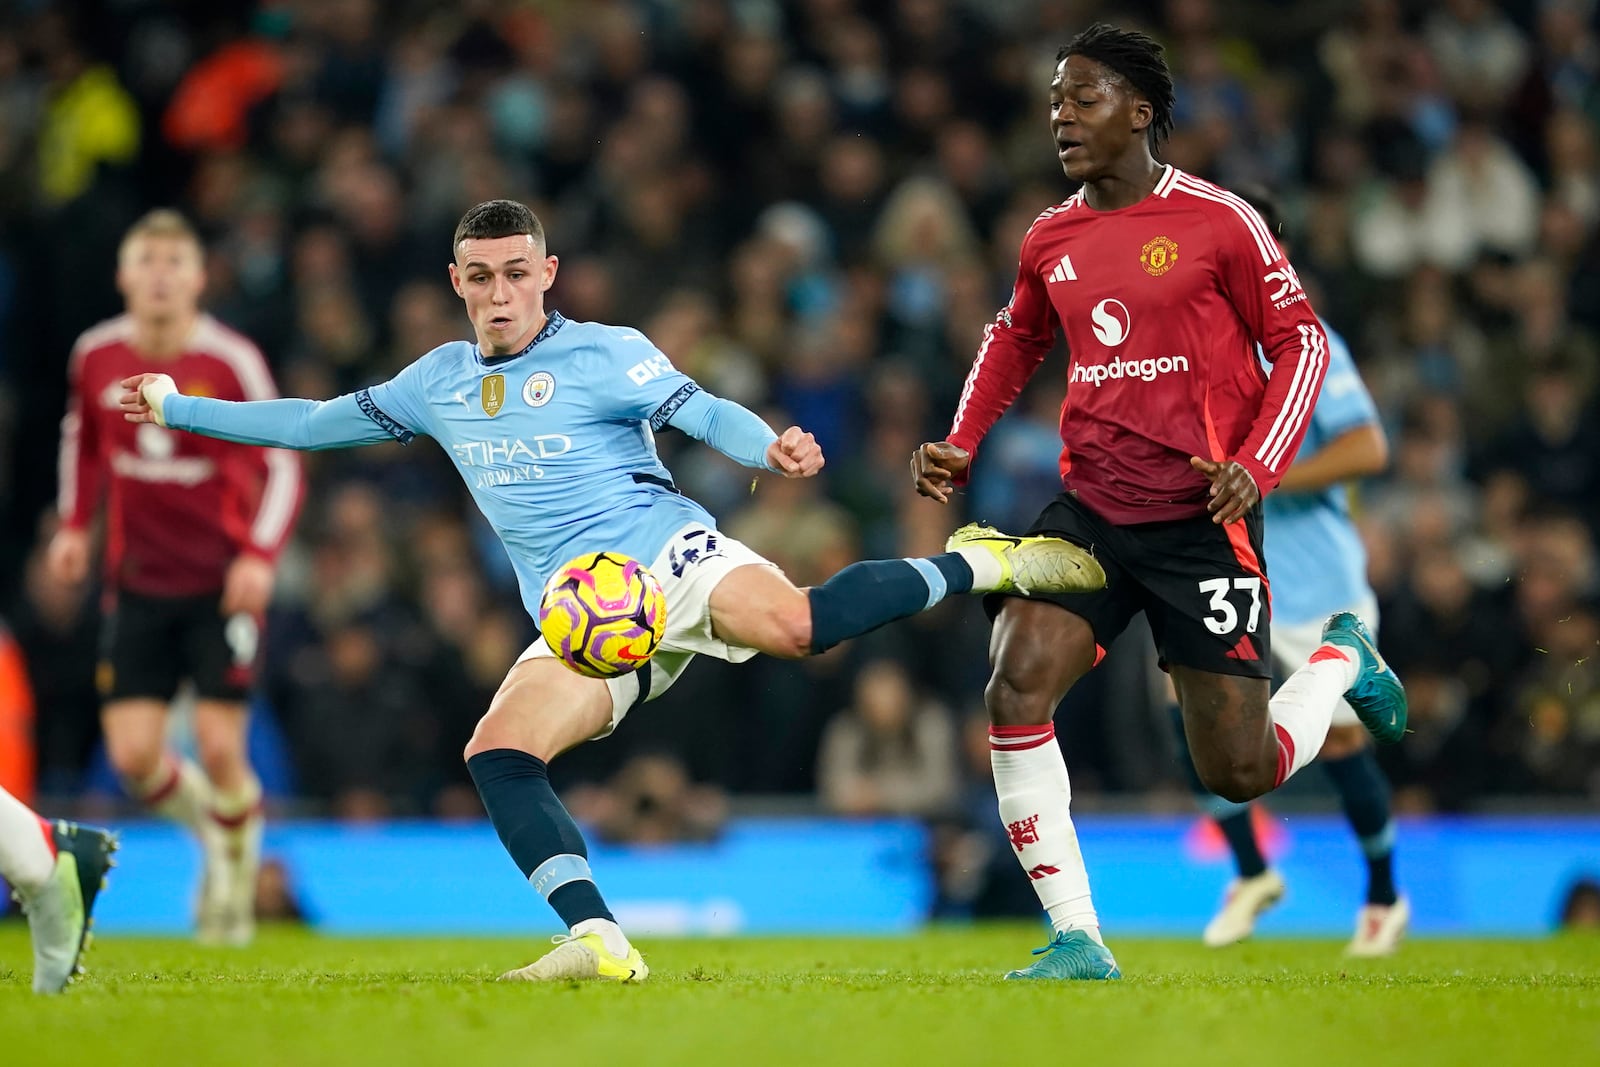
[795, 454]
[934, 465]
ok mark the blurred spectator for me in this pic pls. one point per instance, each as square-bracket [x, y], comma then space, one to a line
[89, 120]
[1479, 51]
[1580, 908]
[891, 752]
[651, 800]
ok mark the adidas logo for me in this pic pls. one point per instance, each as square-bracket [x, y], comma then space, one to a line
[1064, 271]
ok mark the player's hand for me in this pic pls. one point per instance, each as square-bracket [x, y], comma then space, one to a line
[67, 558]
[143, 397]
[1233, 489]
[248, 587]
[795, 454]
[934, 465]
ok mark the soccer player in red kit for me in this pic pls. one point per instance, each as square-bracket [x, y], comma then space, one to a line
[194, 527]
[1165, 286]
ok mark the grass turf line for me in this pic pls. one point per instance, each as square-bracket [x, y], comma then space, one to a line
[300, 1000]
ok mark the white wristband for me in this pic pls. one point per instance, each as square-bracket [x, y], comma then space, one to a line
[155, 393]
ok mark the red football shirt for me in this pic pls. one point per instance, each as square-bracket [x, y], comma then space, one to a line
[181, 507]
[1163, 304]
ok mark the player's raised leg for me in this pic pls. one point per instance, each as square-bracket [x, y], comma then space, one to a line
[56, 870]
[1245, 745]
[541, 710]
[232, 826]
[755, 606]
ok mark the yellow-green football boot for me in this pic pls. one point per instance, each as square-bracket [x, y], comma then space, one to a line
[1027, 565]
[579, 958]
[60, 912]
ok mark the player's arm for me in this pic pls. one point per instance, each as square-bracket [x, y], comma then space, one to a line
[655, 391]
[1264, 289]
[742, 435]
[303, 425]
[82, 474]
[1356, 453]
[1013, 346]
[1347, 420]
[271, 481]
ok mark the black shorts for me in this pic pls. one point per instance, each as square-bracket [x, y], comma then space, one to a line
[149, 645]
[1203, 587]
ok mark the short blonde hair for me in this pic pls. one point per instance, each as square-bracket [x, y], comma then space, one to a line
[162, 222]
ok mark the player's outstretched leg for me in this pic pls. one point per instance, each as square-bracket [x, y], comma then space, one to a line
[56, 870]
[980, 559]
[1256, 887]
[544, 709]
[1363, 791]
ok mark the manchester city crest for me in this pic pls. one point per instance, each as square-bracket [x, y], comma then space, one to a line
[538, 389]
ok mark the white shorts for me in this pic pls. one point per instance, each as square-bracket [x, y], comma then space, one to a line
[694, 561]
[1292, 645]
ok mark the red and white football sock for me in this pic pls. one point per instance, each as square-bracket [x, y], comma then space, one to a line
[232, 813]
[1030, 777]
[1302, 710]
[27, 851]
[178, 790]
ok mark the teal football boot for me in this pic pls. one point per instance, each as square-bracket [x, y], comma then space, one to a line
[1071, 956]
[1378, 698]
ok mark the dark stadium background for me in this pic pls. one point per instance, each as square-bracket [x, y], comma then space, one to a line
[813, 207]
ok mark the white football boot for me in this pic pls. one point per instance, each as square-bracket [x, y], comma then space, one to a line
[1246, 900]
[1379, 928]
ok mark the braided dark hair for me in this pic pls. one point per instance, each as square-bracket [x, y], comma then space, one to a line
[1139, 60]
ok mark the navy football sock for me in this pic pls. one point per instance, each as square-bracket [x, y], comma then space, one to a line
[865, 596]
[1240, 833]
[1364, 793]
[536, 829]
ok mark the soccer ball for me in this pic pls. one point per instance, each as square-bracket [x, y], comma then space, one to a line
[603, 614]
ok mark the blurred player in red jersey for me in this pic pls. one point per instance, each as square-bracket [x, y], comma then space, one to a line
[1165, 286]
[194, 528]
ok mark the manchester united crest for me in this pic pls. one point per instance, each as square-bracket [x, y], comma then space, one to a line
[1158, 255]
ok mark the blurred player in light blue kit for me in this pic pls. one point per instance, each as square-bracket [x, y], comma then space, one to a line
[1319, 566]
[550, 423]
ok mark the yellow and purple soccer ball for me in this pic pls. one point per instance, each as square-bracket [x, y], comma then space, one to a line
[603, 614]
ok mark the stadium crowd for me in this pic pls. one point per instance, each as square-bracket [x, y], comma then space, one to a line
[813, 206]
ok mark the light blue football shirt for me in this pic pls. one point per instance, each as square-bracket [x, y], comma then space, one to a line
[1315, 557]
[556, 443]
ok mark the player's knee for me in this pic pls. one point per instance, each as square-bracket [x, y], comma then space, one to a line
[221, 754]
[486, 736]
[785, 631]
[1238, 778]
[1018, 697]
[135, 758]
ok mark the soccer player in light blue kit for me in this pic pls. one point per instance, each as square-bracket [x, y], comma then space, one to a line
[1319, 566]
[550, 423]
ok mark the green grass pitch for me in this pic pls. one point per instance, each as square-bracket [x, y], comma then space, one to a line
[298, 1000]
